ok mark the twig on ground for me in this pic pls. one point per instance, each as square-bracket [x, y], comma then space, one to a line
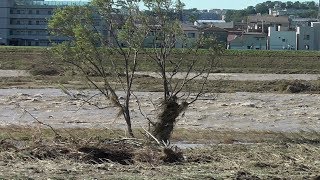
[40, 122]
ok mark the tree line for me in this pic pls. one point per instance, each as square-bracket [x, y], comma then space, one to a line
[263, 8]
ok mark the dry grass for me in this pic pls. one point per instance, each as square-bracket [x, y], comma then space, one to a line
[150, 84]
[290, 157]
[232, 61]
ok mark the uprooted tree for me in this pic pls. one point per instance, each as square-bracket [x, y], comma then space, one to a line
[107, 38]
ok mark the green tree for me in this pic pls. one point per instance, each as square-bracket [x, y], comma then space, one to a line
[250, 10]
[296, 5]
[283, 5]
[236, 15]
[289, 4]
[87, 48]
[309, 14]
[167, 32]
[99, 50]
[311, 5]
[262, 8]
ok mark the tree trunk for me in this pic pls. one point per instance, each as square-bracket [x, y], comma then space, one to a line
[167, 119]
[128, 121]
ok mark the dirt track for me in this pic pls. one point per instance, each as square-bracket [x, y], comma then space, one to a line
[13, 73]
[212, 76]
[236, 111]
[243, 76]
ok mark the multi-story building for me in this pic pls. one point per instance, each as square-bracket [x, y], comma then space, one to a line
[24, 22]
[308, 37]
[261, 23]
[281, 38]
[251, 40]
[301, 22]
[286, 12]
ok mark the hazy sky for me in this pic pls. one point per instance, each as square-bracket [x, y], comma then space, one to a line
[219, 4]
[224, 4]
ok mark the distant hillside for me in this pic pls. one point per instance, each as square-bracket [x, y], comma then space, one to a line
[303, 9]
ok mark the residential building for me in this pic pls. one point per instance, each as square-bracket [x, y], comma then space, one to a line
[281, 38]
[301, 22]
[217, 23]
[24, 22]
[308, 37]
[221, 35]
[286, 12]
[191, 35]
[257, 41]
[261, 23]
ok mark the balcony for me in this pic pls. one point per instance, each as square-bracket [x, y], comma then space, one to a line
[37, 37]
[30, 16]
[25, 26]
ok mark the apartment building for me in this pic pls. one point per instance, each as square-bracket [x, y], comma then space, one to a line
[308, 37]
[24, 22]
[281, 38]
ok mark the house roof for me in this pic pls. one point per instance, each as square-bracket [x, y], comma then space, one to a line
[211, 21]
[304, 19]
[268, 19]
[188, 27]
[231, 37]
[213, 28]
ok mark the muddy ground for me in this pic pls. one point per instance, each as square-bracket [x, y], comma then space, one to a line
[225, 111]
[228, 111]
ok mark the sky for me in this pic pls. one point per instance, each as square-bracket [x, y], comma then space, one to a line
[223, 4]
[220, 4]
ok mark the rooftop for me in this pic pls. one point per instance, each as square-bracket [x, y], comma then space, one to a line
[268, 19]
[50, 2]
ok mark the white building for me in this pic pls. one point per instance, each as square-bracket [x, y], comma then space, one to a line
[308, 37]
[217, 23]
[281, 39]
[257, 41]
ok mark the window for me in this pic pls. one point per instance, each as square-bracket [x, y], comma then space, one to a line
[18, 11]
[30, 11]
[37, 12]
[49, 12]
[283, 40]
[11, 11]
[306, 37]
[191, 35]
[18, 22]
[307, 47]
[152, 33]
[37, 22]
[30, 22]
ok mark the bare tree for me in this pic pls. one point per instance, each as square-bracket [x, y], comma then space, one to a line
[124, 34]
[97, 36]
[176, 73]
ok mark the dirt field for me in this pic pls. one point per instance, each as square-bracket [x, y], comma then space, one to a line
[229, 111]
[33, 155]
